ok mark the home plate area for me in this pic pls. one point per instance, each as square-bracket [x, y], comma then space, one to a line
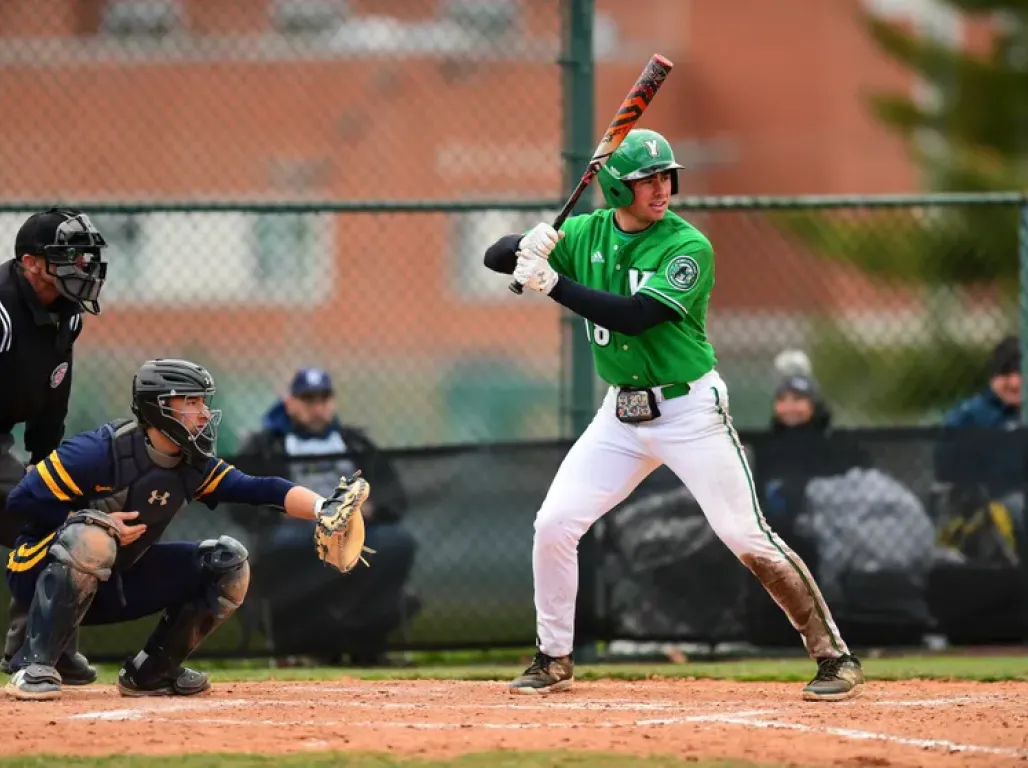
[903, 723]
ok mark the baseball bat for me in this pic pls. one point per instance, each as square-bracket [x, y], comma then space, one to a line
[628, 114]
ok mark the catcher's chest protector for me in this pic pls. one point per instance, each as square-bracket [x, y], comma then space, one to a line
[140, 485]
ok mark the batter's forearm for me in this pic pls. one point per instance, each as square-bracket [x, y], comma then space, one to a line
[502, 255]
[630, 315]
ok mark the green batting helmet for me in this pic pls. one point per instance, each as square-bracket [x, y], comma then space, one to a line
[643, 153]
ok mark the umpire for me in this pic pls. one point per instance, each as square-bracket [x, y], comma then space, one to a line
[56, 274]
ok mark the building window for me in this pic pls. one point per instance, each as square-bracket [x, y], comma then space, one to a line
[196, 259]
[289, 256]
[490, 19]
[308, 17]
[473, 233]
[142, 19]
[124, 253]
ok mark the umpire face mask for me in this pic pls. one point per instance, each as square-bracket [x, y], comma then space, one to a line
[75, 263]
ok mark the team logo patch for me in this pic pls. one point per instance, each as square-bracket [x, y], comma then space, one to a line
[683, 272]
[58, 375]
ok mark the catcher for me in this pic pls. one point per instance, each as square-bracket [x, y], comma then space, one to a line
[98, 505]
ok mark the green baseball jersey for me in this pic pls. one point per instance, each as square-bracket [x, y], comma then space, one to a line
[672, 262]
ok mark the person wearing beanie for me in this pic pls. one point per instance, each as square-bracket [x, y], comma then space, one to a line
[980, 454]
[801, 448]
[798, 404]
[996, 407]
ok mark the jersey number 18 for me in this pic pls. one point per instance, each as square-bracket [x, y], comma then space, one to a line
[597, 334]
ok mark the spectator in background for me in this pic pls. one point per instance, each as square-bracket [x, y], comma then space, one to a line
[800, 447]
[980, 461]
[866, 533]
[303, 439]
[799, 425]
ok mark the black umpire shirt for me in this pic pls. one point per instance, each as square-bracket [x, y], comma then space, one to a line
[35, 363]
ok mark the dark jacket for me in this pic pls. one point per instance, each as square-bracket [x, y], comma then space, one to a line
[981, 445]
[35, 362]
[318, 460]
[791, 456]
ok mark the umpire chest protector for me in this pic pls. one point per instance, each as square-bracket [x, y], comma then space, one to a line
[148, 482]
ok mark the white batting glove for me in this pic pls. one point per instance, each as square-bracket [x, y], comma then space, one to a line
[540, 240]
[535, 272]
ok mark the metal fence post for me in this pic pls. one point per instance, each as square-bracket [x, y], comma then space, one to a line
[578, 392]
[579, 142]
[1022, 248]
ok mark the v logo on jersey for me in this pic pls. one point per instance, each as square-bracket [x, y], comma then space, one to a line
[597, 258]
[637, 279]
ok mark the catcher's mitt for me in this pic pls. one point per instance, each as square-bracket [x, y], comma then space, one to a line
[339, 532]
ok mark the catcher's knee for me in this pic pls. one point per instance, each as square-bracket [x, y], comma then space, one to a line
[87, 543]
[226, 567]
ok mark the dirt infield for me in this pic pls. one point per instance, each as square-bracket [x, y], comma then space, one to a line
[894, 724]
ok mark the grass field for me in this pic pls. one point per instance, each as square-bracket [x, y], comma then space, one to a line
[970, 669]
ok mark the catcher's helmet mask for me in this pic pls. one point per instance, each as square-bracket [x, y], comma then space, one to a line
[71, 247]
[155, 384]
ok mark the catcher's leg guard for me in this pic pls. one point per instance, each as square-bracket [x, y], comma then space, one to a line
[17, 621]
[73, 667]
[158, 670]
[83, 554]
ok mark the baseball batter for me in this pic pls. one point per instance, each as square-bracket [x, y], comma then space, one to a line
[641, 277]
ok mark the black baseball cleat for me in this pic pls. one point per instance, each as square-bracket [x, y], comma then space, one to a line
[546, 674]
[75, 669]
[837, 679]
[178, 681]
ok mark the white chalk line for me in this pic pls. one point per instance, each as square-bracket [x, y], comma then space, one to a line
[745, 718]
[200, 705]
[596, 705]
[433, 726]
[947, 701]
[137, 713]
[857, 735]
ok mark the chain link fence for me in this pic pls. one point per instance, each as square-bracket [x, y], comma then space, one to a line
[280, 99]
[345, 163]
[897, 301]
[289, 101]
[425, 345]
[897, 306]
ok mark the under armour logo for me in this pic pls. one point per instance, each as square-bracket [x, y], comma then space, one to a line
[159, 497]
